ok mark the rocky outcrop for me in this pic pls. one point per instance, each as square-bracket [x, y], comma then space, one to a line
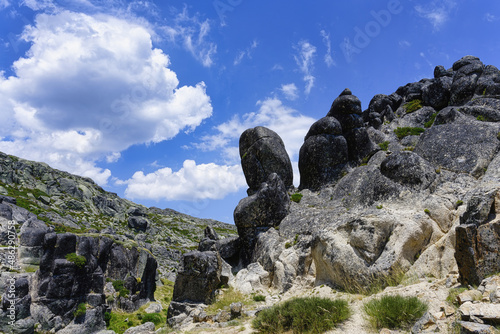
[424, 200]
[323, 155]
[347, 110]
[262, 153]
[72, 270]
[259, 212]
[478, 237]
[198, 278]
[335, 142]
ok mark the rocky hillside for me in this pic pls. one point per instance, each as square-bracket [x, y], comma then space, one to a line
[72, 253]
[75, 204]
[409, 186]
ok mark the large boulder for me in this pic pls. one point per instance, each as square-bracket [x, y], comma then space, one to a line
[323, 155]
[460, 147]
[408, 169]
[437, 93]
[347, 110]
[478, 237]
[259, 212]
[262, 153]
[365, 186]
[465, 77]
[198, 277]
[489, 82]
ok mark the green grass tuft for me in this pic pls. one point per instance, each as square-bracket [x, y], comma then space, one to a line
[225, 299]
[302, 315]
[407, 131]
[155, 318]
[429, 123]
[413, 105]
[453, 294]
[394, 311]
[296, 197]
[384, 146]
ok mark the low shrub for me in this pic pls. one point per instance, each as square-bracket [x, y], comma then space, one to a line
[155, 318]
[118, 285]
[384, 146]
[413, 105]
[107, 318]
[259, 298]
[81, 309]
[78, 260]
[394, 311]
[302, 315]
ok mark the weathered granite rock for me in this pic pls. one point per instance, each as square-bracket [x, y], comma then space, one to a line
[408, 169]
[466, 74]
[365, 186]
[467, 327]
[146, 328]
[61, 284]
[489, 82]
[489, 313]
[198, 278]
[437, 93]
[259, 212]
[262, 153]
[252, 279]
[347, 110]
[323, 155]
[138, 223]
[477, 249]
[478, 236]
[90, 323]
[461, 148]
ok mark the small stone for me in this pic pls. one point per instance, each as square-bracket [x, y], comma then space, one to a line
[236, 309]
[154, 308]
[473, 328]
[447, 309]
[469, 296]
[439, 315]
[222, 316]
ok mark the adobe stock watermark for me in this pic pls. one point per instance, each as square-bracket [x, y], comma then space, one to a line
[224, 6]
[11, 263]
[364, 36]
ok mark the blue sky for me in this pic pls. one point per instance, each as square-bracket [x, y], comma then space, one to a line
[149, 98]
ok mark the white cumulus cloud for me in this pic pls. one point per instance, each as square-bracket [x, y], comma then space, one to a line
[192, 182]
[290, 91]
[89, 87]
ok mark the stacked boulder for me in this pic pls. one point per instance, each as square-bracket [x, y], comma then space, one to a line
[262, 153]
[333, 142]
[269, 175]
